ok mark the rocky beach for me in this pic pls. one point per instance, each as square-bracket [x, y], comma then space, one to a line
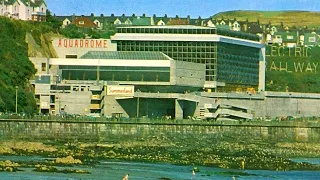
[181, 150]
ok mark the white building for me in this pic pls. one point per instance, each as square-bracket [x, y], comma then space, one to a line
[34, 10]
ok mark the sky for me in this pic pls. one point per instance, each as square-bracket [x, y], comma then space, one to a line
[183, 8]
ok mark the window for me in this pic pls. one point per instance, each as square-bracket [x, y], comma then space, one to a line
[290, 37]
[312, 39]
[71, 56]
[43, 66]
[81, 22]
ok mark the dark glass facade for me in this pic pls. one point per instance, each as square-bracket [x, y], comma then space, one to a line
[238, 64]
[117, 73]
[197, 52]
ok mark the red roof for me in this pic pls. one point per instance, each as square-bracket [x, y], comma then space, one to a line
[84, 22]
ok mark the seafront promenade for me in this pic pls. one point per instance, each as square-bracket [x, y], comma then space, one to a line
[102, 130]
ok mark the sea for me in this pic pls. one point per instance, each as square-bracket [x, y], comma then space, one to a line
[116, 170]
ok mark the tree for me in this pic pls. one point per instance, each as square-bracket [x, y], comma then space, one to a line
[15, 67]
[56, 24]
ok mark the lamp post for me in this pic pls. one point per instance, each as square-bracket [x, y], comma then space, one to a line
[138, 106]
[17, 99]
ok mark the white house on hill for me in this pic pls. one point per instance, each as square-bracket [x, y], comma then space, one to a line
[34, 10]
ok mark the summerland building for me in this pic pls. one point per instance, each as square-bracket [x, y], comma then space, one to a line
[153, 71]
[34, 10]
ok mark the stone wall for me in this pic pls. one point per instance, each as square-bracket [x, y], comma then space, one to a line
[113, 132]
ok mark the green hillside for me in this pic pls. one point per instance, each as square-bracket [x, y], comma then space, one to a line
[289, 18]
[15, 67]
[293, 69]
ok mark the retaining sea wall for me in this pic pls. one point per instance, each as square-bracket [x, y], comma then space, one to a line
[113, 132]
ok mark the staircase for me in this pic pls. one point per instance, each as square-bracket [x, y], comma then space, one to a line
[219, 109]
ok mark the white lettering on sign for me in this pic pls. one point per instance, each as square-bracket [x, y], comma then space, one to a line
[120, 90]
[83, 43]
[295, 67]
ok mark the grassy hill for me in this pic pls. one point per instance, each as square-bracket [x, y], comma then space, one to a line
[292, 72]
[18, 41]
[290, 18]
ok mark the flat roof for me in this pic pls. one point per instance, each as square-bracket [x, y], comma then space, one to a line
[127, 55]
[186, 38]
[171, 27]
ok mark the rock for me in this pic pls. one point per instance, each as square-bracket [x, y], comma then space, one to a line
[8, 163]
[44, 168]
[9, 169]
[68, 160]
[117, 146]
[111, 153]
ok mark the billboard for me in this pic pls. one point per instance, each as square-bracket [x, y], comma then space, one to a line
[119, 90]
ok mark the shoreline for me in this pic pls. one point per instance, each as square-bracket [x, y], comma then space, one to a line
[213, 145]
[91, 154]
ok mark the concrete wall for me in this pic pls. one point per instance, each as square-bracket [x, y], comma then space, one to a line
[111, 105]
[42, 89]
[73, 103]
[104, 132]
[185, 109]
[187, 73]
[274, 104]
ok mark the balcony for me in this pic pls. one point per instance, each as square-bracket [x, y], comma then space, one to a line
[39, 13]
[95, 106]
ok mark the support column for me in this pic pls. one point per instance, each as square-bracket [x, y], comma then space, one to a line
[178, 109]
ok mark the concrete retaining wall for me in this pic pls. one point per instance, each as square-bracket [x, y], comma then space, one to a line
[110, 132]
[274, 104]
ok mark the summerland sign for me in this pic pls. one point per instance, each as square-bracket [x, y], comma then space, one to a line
[119, 90]
[75, 48]
[292, 60]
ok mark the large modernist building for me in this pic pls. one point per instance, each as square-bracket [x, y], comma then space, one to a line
[232, 59]
[151, 71]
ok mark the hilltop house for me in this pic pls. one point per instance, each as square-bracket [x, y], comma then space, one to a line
[160, 21]
[288, 39]
[34, 10]
[101, 22]
[84, 22]
[311, 39]
[268, 33]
